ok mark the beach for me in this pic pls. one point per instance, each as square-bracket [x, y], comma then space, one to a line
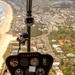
[5, 26]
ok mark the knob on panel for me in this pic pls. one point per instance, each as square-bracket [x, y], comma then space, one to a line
[40, 71]
[18, 72]
[24, 62]
[45, 61]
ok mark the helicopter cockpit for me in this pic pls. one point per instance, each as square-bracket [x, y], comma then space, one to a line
[29, 63]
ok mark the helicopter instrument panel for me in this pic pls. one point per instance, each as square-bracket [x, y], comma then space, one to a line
[29, 64]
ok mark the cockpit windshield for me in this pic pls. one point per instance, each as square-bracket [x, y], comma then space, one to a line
[52, 32]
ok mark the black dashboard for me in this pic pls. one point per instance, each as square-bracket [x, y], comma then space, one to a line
[29, 64]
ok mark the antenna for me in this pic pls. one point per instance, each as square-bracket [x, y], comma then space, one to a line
[29, 7]
[29, 22]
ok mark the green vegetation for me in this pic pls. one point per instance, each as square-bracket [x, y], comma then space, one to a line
[73, 64]
[66, 67]
[45, 9]
[64, 33]
[35, 30]
[24, 2]
[67, 71]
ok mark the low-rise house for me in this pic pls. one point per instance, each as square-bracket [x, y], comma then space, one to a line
[73, 43]
[45, 29]
[61, 42]
[69, 41]
[14, 52]
[55, 27]
[68, 52]
[32, 42]
[40, 46]
[56, 63]
[34, 48]
[55, 68]
[73, 26]
[56, 45]
[39, 41]
[70, 55]
[58, 49]
[19, 16]
[40, 29]
[59, 72]
[53, 40]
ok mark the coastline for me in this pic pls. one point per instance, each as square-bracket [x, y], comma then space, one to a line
[6, 23]
[5, 38]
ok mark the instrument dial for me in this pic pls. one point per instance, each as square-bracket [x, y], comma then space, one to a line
[13, 62]
[40, 71]
[34, 62]
[24, 62]
[18, 72]
[44, 61]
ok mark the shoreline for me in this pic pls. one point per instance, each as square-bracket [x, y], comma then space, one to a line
[6, 23]
[5, 38]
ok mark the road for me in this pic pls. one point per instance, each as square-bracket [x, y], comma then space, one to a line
[47, 43]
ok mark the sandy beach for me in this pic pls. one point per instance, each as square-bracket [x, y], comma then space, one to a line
[5, 26]
[6, 23]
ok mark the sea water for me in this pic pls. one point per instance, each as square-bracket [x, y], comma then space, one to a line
[2, 12]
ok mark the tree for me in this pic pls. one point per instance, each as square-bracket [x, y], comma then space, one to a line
[62, 63]
[67, 71]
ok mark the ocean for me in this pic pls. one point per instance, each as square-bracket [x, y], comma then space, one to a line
[2, 11]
